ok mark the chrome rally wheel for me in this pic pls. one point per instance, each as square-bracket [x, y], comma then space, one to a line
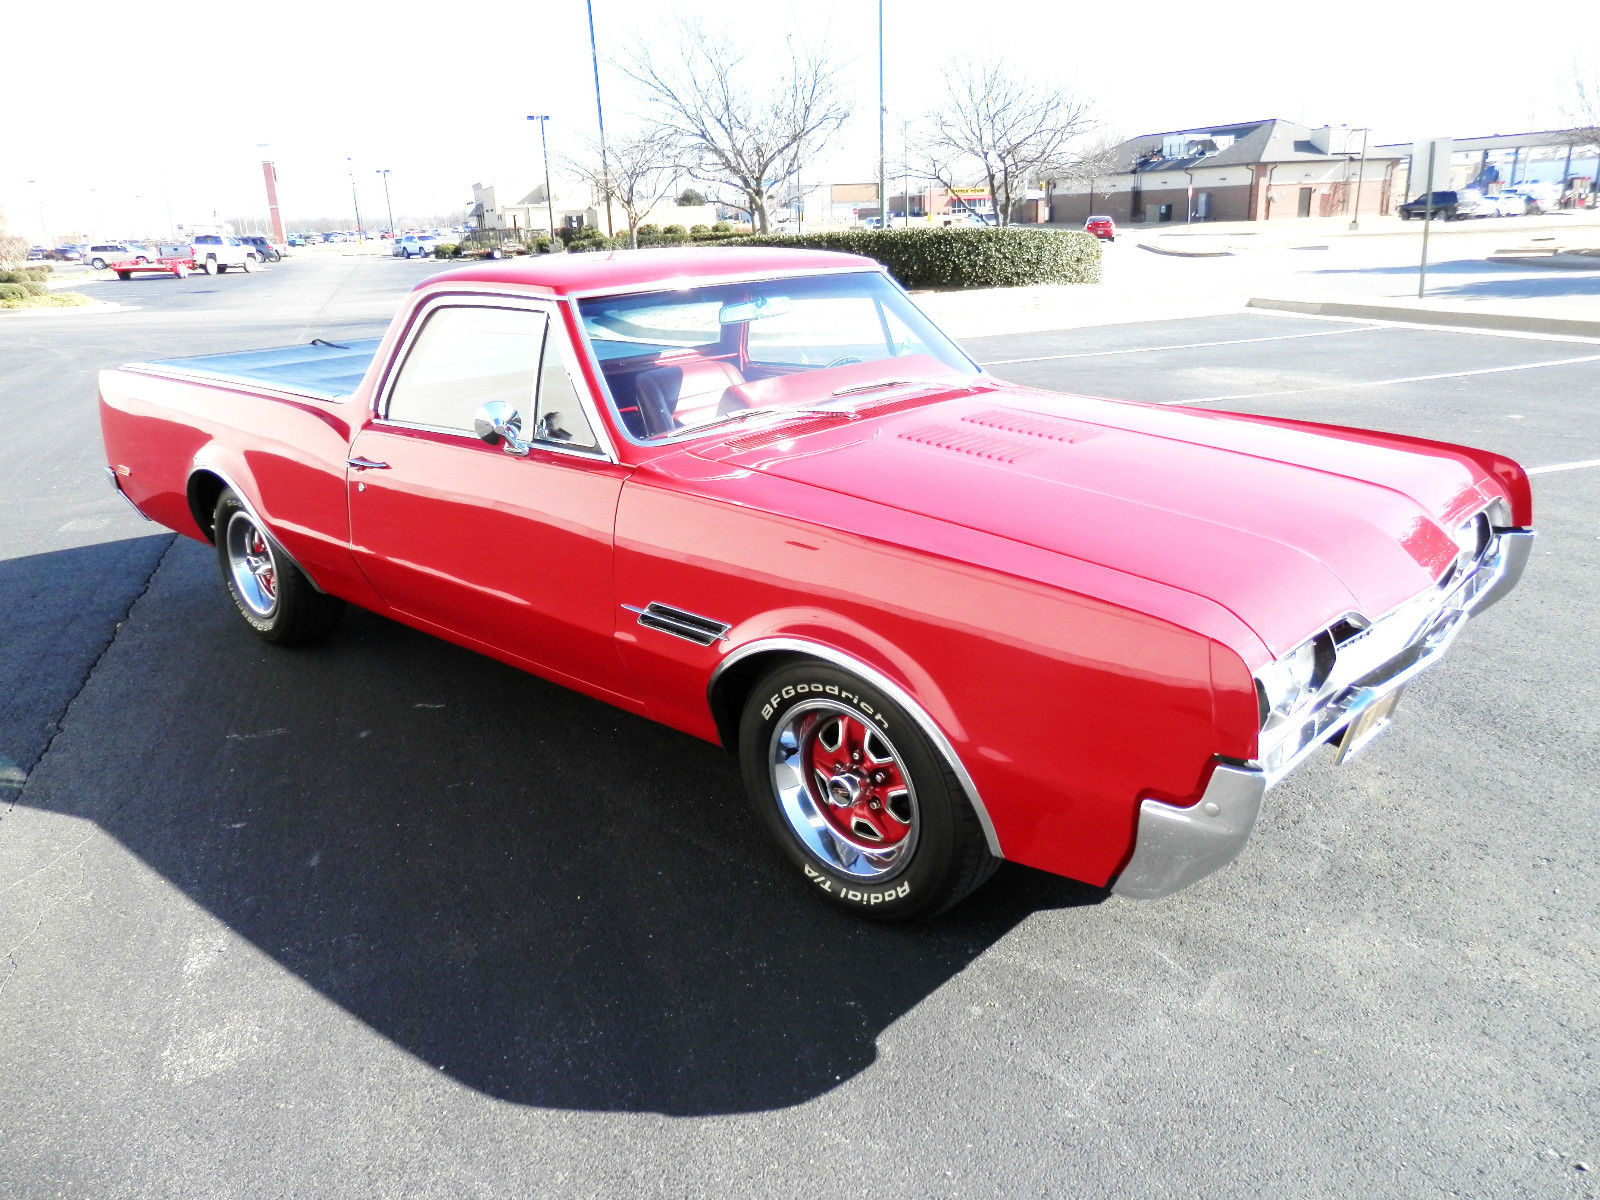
[269, 591]
[856, 796]
[255, 570]
[844, 790]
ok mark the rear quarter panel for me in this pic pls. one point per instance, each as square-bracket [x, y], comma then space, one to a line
[285, 453]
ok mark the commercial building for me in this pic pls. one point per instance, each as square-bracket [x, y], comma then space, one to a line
[1252, 171]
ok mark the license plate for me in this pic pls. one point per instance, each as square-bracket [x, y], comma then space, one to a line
[1374, 719]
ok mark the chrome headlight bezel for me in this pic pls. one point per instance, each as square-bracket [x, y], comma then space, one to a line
[1287, 684]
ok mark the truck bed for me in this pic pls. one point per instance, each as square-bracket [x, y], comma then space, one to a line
[320, 369]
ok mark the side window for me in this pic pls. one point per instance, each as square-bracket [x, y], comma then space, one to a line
[561, 416]
[464, 358]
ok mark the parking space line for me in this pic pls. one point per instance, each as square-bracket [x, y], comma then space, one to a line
[1337, 387]
[1278, 337]
[1571, 466]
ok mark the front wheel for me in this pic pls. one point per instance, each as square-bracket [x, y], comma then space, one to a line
[272, 595]
[209, 266]
[858, 799]
[249, 263]
[99, 264]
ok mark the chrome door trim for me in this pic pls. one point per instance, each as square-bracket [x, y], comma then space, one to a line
[555, 327]
[894, 691]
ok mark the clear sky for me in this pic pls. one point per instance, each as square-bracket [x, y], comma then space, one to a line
[124, 113]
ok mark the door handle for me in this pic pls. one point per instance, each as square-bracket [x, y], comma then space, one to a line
[365, 464]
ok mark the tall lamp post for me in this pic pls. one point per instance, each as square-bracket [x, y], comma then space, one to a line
[600, 116]
[544, 152]
[350, 169]
[387, 203]
[1355, 211]
[883, 196]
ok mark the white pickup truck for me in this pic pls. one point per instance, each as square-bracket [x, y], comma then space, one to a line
[214, 254]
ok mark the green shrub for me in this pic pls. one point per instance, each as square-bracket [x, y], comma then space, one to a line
[447, 250]
[936, 257]
[590, 238]
[12, 291]
[699, 230]
[648, 229]
[33, 288]
[25, 275]
[722, 227]
[675, 231]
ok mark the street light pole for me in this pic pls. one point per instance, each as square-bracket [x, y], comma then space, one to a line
[387, 203]
[544, 151]
[1355, 212]
[600, 117]
[350, 169]
[883, 196]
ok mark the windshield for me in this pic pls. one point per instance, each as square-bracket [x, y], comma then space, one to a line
[675, 361]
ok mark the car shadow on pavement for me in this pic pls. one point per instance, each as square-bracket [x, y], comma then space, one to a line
[546, 899]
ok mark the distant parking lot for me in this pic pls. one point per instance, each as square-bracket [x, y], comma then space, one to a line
[387, 918]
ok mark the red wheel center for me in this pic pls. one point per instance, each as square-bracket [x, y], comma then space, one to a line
[857, 782]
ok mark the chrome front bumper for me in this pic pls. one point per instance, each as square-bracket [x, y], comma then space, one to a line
[1176, 845]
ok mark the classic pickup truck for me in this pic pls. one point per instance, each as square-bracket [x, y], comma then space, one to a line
[758, 496]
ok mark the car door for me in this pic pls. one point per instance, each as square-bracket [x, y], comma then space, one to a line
[509, 551]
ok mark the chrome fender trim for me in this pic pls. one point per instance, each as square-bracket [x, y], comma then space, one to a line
[894, 691]
[1175, 846]
[244, 500]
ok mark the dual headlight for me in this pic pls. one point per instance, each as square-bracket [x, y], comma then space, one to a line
[1284, 686]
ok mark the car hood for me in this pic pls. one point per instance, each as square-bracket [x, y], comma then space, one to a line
[1289, 530]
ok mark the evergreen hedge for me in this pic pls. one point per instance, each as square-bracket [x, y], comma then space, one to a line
[938, 257]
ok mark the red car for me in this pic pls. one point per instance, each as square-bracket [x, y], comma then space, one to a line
[758, 496]
[1103, 228]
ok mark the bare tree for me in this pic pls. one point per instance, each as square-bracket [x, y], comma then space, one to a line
[729, 131]
[999, 126]
[1088, 165]
[637, 173]
[1583, 109]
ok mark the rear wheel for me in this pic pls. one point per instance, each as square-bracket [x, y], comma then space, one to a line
[209, 266]
[99, 264]
[856, 796]
[249, 263]
[272, 595]
[124, 275]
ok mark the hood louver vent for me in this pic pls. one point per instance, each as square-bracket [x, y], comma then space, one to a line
[959, 441]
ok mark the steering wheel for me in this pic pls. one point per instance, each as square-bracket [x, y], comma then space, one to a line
[845, 361]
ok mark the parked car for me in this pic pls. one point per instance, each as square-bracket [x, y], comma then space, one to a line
[792, 517]
[334, 237]
[414, 245]
[1103, 228]
[215, 254]
[296, 240]
[266, 249]
[1445, 206]
[1511, 204]
[102, 254]
[37, 254]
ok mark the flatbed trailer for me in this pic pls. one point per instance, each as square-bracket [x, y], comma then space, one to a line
[128, 268]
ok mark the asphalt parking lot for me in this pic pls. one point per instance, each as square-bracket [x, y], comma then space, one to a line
[385, 918]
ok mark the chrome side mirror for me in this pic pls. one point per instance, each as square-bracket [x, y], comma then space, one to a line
[500, 424]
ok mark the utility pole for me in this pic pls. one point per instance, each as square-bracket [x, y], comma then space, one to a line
[1355, 213]
[883, 195]
[600, 116]
[905, 175]
[350, 169]
[389, 204]
[544, 152]
[1427, 222]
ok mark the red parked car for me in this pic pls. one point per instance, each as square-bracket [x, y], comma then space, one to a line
[1103, 228]
[758, 496]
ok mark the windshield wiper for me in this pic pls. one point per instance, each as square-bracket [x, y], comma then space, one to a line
[879, 383]
[745, 414]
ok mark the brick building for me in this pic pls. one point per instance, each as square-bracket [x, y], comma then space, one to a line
[1254, 171]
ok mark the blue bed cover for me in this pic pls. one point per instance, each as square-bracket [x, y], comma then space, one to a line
[324, 369]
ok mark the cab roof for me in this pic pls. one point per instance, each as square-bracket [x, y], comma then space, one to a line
[633, 270]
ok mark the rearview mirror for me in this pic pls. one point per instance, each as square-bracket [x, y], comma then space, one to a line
[500, 424]
[754, 310]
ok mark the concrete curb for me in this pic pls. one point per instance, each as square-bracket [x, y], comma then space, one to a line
[1565, 262]
[1184, 253]
[1510, 322]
